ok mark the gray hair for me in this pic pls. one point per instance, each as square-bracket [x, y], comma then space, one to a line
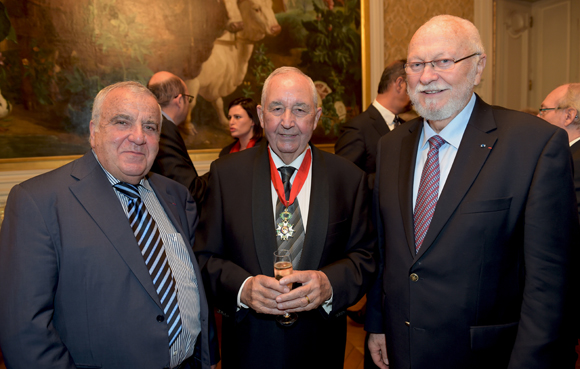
[288, 70]
[135, 87]
[572, 100]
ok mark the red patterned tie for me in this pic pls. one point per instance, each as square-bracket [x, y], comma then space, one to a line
[428, 192]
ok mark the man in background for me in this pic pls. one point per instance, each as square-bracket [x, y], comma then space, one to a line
[477, 223]
[96, 265]
[173, 160]
[561, 108]
[358, 142]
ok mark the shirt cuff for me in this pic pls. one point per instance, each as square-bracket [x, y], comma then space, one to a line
[327, 305]
[239, 300]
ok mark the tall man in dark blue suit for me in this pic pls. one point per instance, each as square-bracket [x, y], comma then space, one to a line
[78, 288]
[477, 223]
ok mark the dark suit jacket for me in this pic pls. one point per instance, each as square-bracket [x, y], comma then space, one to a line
[490, 284]
[576, 157]
[236, 240]
[358, 142]
[75, 289]
[173, 162]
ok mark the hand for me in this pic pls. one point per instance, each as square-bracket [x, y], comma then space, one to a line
[378, 350]
[315, 285]
[259, 293]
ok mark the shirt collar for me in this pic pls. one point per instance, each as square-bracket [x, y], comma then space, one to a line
[167, 117]
[387, 115]
[574, 141]
[295, 164]
[144, 182]
[453, 132]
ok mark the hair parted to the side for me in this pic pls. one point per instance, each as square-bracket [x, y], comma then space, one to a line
[288, 70]
[391, 73]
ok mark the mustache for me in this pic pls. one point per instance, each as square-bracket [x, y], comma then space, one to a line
[433, 86]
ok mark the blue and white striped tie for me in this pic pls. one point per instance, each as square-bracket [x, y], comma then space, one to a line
[153, 251]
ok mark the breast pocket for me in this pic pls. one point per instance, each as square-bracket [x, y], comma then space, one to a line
[486, 206]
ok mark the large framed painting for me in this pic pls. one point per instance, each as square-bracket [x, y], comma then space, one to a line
[55, 55]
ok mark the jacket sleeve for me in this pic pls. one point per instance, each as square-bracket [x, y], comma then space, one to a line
[29, 266]
[544, 337]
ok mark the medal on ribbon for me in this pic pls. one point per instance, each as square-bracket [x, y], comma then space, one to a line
[284, 229]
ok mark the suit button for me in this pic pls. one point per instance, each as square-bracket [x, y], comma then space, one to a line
[160, 318]
[414, 277]
[407, 324]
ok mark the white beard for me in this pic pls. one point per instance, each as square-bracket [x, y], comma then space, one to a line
[460, 95]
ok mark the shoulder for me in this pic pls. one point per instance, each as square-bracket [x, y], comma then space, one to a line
[163, 183]
[226, 149]
[337, 163]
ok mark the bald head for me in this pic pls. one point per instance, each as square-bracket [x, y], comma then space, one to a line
[170, 92]
[561, 108]
[451, 27]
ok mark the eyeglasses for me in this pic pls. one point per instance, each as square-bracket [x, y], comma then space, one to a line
[542, 111]
[189, 97]
[438, 65]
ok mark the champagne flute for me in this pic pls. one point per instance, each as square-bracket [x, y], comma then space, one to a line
[282, 268]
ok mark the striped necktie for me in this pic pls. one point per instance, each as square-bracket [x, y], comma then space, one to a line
[428, 192]
[294, 243]
[153, 252]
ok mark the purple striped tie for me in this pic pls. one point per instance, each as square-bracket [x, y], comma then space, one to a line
[428, 192]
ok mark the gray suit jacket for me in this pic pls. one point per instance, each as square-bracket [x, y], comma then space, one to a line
[75, 289]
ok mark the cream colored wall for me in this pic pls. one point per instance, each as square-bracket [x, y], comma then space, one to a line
[404, 17]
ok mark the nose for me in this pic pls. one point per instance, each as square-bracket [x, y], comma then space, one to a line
[137, 135]
[275, 30]
[428, 74]
[287, 119]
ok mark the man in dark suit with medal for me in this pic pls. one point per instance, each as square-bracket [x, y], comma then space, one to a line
[477, 223]
[286, 195]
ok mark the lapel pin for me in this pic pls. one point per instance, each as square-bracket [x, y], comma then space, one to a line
[483, 145]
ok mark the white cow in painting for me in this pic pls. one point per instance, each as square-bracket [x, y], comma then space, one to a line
[5, 107]
[227, 65]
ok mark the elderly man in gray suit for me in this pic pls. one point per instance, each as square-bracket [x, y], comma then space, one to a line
[96, 265]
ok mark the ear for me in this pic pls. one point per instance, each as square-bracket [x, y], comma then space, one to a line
[571, 116]
[179, 100]
[317, 117]
[400, 85]
[480, 68]
[260, 115]
[92, 134]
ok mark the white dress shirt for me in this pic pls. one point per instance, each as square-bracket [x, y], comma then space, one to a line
[387, 115]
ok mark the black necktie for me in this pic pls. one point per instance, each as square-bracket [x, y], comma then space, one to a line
[397, 121]
[153, 251]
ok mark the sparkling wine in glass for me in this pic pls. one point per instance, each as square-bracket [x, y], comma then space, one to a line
[282, 268]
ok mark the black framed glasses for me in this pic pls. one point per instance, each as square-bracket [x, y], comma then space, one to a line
[438, 65]
[542, 111]
[189, 97]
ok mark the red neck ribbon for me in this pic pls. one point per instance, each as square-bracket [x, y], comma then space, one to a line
[237, 146]
[298, 181]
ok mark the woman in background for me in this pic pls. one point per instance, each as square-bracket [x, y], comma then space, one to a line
[244, 125]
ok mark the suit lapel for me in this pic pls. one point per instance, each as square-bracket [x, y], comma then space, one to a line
[263, 222]
[96, 195]
[378, 121]
[317, 214]
[407, 159]
[470, 158]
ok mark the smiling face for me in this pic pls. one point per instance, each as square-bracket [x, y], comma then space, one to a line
[241, 125]
[439, 96]
[289, 115]
[126, 139]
